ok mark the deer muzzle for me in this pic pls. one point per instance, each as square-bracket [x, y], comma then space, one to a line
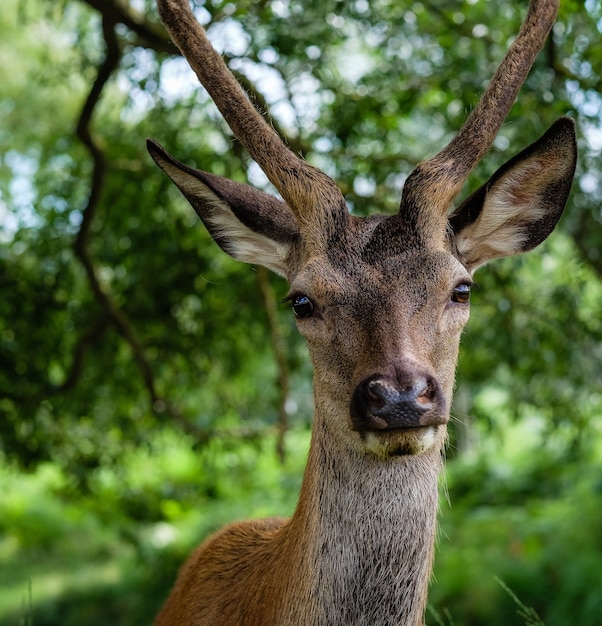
[407, 399]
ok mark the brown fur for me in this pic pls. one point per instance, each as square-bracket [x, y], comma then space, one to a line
[359, 548]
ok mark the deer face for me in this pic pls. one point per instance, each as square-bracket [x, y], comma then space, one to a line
[382, 301]
[382, 320]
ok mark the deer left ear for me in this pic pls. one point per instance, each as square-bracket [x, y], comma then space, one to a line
[248, 224]
[521, 203]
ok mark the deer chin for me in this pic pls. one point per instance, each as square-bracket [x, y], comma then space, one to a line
[404, 442]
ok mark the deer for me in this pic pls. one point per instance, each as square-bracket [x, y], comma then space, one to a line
[381, 302]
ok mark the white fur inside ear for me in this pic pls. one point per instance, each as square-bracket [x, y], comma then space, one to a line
[243, 243]
[238, 240]
[512, 203]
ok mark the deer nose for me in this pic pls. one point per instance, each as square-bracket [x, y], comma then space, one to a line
[410, 399]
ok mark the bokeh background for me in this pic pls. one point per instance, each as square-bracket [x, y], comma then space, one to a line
[152, 389]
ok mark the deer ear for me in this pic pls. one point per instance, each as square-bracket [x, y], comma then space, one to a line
[248, 224]
[521, 203]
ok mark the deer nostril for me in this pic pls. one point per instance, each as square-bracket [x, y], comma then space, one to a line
[426, 392]
[377, 394]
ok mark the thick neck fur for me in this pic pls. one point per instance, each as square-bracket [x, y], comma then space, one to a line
[365, 529]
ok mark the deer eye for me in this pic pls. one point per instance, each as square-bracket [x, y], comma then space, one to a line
[302, 306]
[461, 293]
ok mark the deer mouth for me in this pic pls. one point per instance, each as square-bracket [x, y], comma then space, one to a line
[402, 442]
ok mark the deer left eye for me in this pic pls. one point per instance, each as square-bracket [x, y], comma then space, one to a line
[302, 306]
[461, 294]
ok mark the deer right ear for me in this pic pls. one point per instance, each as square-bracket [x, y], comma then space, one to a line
[521, 203]
[248, 224]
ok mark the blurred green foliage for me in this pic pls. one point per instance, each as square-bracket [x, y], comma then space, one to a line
[120, 451]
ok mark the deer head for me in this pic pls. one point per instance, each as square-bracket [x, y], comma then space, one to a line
[382, 300]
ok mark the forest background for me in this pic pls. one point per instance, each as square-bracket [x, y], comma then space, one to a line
[152, 389]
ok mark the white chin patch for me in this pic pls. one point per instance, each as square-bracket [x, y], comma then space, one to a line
[402, 442]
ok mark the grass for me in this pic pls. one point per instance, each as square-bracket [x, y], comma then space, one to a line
[527, 613]
[27, 619]
[89, 560]
[36, 578]
[438, 618]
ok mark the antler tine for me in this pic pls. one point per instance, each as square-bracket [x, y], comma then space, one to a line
[440, 178]
[312, 195]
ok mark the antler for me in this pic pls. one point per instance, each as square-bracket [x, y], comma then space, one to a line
[313, 197]
[438, 180]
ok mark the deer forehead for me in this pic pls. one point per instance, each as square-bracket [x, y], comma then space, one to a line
[410, 281]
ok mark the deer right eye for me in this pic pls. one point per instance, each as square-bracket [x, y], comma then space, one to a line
[461, 294]
[302, 306]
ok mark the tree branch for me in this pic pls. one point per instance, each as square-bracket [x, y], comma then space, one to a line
[152, 34]
[278, 345]
[79, 353]
[80, 246]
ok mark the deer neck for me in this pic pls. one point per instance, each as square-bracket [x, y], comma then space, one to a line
[365, 532]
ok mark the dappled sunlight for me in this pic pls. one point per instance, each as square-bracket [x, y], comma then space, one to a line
[150, 390]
